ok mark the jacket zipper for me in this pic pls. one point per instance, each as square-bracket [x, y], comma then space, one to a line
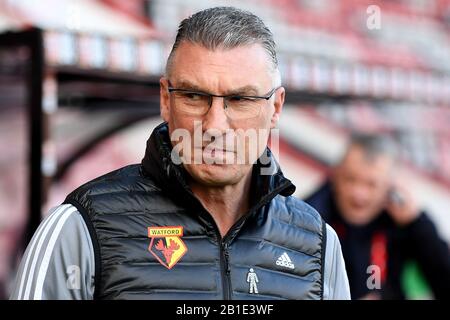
[224, 260]
[225, 271]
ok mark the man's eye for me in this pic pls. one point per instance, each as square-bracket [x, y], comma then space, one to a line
[241, 100]
[235, 98]
[192, 96]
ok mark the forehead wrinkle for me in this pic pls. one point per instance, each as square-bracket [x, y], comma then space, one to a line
[220, 71]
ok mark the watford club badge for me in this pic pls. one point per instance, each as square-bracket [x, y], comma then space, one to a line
[166, 244]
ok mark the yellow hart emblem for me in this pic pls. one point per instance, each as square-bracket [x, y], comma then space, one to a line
[166, 244]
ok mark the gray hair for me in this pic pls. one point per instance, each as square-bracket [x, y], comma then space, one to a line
[225, 28]
[374, 145]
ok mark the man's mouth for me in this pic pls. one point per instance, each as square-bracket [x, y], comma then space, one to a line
[218, 152]
[217, 149]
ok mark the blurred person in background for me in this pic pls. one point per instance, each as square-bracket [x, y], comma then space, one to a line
[161, 230]
[379, 223]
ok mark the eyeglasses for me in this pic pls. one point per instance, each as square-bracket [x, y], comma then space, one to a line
[237, 107]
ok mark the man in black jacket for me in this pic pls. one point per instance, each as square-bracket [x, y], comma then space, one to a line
[208, 213]
[378, 223]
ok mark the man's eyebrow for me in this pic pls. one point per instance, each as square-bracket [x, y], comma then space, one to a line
[186, 84]
[245, 90]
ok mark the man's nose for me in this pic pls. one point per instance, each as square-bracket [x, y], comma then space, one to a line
[216, 117]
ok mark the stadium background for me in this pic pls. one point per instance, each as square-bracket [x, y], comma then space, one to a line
[79, 95]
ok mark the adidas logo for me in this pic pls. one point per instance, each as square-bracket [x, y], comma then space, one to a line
[285, 261]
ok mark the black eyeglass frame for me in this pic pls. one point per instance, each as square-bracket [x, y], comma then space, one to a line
[210, 95]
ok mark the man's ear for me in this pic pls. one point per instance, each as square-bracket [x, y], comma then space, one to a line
[278, 104]
[164, 99]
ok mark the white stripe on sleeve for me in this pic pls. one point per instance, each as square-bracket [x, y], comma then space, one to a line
[66, 211]
[37, 241]
[48, 252]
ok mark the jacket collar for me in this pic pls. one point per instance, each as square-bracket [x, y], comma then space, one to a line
[172, 178]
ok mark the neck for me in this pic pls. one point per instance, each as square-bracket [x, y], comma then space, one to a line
[227, 203]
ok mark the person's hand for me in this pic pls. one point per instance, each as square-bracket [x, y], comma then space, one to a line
[401, 206]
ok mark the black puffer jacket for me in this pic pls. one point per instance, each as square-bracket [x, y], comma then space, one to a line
[120, 206]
